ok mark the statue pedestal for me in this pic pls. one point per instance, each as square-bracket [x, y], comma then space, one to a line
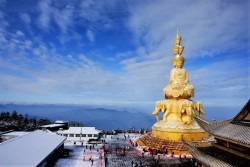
[175, 131]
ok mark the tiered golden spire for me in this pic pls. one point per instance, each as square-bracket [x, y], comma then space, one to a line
[177, 49]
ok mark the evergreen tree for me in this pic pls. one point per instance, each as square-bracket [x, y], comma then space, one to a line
[20, 120]
[26, 120]
[33, 122]
[14, 116]
[43, 121]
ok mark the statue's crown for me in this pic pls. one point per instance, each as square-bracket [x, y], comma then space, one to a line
[177, 49]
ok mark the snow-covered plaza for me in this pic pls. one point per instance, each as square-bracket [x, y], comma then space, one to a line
[118, 152]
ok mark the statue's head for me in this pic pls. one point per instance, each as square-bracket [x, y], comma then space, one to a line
[177, 49]
[177, 40]
[178, 61]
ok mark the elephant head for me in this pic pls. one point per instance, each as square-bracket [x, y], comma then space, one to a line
[188, 107]
[187, 111]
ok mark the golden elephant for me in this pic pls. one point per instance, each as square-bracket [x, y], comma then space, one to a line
[159, 106]
[189, 109]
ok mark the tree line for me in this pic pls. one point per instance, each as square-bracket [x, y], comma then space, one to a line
[14, 121]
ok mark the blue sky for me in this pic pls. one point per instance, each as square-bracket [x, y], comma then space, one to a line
[119, 51]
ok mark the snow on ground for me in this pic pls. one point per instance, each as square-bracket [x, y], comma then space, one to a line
[115, 143]
[77, 155]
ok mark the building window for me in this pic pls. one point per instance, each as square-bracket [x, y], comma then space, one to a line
[95, 135]
[66, 135]
[89, 135]
[71, 135]
[83, 135]
[77, 135]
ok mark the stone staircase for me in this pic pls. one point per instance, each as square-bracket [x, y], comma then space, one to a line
[152, 143]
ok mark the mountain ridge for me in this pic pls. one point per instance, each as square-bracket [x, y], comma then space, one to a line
[103, 118]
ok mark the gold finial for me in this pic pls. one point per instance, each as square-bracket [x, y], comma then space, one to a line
[178, 38]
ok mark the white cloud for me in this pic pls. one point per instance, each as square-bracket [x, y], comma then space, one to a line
[90, 35]
[49, 73]
[19, 33]
[45, 15]
[208, 28]
[95, 11]
[69, 37]
[221, 79]
[25, 18]
[124, 54]
[204, 25]
[91, 14]
[62, 17]
[86, 60]
[102, 15]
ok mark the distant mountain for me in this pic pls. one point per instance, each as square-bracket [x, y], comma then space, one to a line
[106, 118]
[102, 118]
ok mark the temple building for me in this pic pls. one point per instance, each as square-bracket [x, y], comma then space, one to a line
[80, 133]
[232, 141]
[59, 124]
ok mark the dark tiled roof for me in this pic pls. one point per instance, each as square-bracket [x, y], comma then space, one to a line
[240, 118]
[233, 132]
[214, 157]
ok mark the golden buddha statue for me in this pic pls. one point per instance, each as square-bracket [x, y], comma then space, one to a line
[178, 86]
[178, 109]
